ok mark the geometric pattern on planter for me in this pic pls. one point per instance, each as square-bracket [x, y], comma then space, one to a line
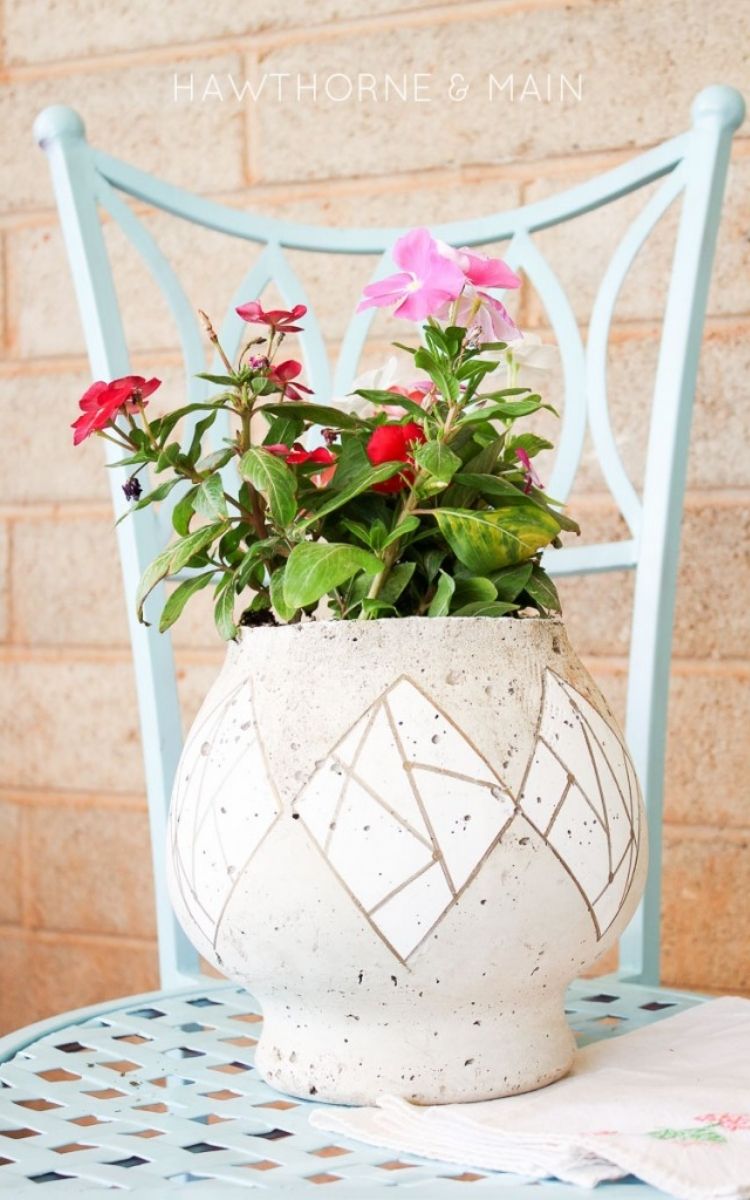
[405, 810]
[580, 792]
[225, 818]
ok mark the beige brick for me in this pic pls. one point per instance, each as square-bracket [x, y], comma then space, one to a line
[721, 417]
[91, 871]
[714, 536]
[706, 910]
[67, 583]
[42, 975]
[644, 291]
[4, 583]
[617, 108]
[130, 113]
[82, 28]
[73, 725]
[11, 891]
[209, 265]
[38, 462]
[714, 569]
[708, 755]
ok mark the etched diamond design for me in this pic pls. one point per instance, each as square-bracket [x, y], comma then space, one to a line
[581, 794]
[224, 806]
[405, 810]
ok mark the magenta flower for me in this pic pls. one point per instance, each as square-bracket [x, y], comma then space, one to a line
[531, 479]
[427, 280]
[479, 269]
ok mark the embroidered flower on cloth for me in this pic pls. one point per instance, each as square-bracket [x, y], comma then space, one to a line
[731, 1121]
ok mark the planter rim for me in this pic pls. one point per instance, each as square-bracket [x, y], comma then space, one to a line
[529, 625]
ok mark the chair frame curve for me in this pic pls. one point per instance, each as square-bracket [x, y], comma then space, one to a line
[695, 162]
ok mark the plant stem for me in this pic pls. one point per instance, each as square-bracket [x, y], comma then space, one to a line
[214, 340]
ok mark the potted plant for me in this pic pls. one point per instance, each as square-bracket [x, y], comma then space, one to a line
[404, 817]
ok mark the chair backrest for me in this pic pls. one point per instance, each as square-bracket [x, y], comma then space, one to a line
[693, 164]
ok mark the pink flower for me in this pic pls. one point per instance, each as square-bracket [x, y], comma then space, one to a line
[427, 280]
[731, 1121]
[280, 320]
[282, 375]
[101, 403]
[531, 479]
[486, 317]
[479, 269]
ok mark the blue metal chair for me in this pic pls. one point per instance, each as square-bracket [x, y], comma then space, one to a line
[156, 1091]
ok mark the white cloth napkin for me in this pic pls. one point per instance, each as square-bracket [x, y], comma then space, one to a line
[669, 1103]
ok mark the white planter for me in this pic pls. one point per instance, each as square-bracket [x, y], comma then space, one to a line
[406, 837]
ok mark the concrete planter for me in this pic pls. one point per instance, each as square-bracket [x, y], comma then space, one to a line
[406, 837]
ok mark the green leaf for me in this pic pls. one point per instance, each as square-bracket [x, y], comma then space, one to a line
[215, 460]
[396, 581]
[168, 456]
[314, 414]
[172, 560]
[438, 460]
[179, 598]
[445, 381]
[542, 590]
[258, 552]
[183, 512]
[209, 498]
[472, 590]
[408, 525]
[487, 540]
[284, 611]
[490, 485]
[441, 601]
[283, 430]
[315, 568]
[393, 399]
[193, 544]
[485, 608]
[275, 480]
[483, 462]
[530, 442]
[201, 427]
[508, 410]
[154, 573]
[224, 380]
[511, 581]
[358, 484]
[224, 610]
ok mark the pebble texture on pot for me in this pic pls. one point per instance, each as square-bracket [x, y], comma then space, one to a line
[406, 837]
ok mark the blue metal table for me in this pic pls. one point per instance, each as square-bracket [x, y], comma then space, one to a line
[152, 1093]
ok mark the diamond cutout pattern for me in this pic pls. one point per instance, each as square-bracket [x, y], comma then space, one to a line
[581, 794]
[405, 809]
[226, 804]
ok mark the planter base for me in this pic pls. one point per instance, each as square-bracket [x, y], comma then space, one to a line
[342, 1059]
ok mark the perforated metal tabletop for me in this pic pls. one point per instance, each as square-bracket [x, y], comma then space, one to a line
[158, 1092]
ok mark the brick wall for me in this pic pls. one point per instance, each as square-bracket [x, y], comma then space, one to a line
[76, 919]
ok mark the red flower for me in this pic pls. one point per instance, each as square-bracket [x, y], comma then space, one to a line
[278, 319]
[297, 454]
[321, 455]
[390, 443]
[103, 401]
[282, 375]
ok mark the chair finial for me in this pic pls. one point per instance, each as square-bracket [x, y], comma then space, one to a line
[58, 121]
[719, 103]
